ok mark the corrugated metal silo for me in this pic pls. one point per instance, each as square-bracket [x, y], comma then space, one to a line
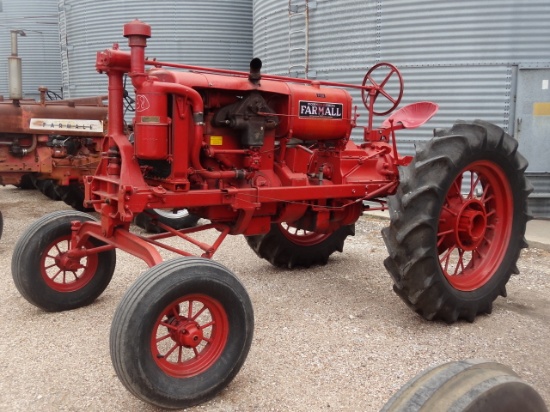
[487, 60]
[38, 48]
[214, 33]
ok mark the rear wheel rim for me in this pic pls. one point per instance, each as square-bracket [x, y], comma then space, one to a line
[189, 336]
[63, 273]
[302, 237]
[475, 225]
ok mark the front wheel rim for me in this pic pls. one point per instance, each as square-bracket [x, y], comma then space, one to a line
[475, 225]
[189, 336]
[63, 273]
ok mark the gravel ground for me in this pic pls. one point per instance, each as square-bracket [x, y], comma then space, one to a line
[326, 338]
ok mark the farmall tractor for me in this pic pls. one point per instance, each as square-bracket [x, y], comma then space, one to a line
[270, 158]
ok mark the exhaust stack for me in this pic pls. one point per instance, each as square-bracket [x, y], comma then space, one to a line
[14, 68]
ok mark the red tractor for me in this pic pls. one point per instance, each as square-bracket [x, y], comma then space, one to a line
[271, 158]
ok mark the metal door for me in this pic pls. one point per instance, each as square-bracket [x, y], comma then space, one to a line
[532, 130]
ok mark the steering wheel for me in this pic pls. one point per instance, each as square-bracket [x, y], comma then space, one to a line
[379, 88]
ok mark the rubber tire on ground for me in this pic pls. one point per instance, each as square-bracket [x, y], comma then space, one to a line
[137, 314]
[281, 251]
[181, 220]
[466, 386]
[27, 182]
[73, 195]
[26, 264]
[411, 239]
[47, 187]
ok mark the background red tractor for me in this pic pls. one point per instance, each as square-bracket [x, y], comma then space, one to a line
[270, 158]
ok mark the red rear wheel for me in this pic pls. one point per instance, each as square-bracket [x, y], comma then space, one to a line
[302, 237]
[458, 222]
[475, 225]
[286, 246]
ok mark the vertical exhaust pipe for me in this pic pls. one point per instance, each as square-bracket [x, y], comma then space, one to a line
[14, 68]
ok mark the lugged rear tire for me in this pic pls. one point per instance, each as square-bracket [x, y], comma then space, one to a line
[466, 386]
[47, 187]
[73, 195]
[452, 253]
[287, 247]
[181, 332]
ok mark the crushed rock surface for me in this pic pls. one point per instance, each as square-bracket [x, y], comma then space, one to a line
[326, 338]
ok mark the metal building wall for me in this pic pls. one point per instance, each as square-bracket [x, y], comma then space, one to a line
[214, 33]
[464, 55]
[38, 49]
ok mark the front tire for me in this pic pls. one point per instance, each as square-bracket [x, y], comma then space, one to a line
[458, 222]
[45, 275]
[181, 332]
[285, 246]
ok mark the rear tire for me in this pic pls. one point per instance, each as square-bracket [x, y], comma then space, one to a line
[46, 277]
[73, 195]
[181, 332]
[466, 386]
[47, 187]
[451, 252]
[286, 247]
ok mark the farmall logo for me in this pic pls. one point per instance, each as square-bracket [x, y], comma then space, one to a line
[321, 109]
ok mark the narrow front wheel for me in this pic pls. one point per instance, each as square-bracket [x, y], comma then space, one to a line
[45, 272]
[181, 333]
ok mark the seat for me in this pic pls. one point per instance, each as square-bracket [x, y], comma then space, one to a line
[411, 116]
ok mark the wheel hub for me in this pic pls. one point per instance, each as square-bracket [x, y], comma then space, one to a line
[65, 262]
[471, 224]
[187, 333]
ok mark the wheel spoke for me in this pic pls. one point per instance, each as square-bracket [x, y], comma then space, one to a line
[172, 349]
[190, 310]
[206, 325]
[460, 261]
[473, 185]
[168, 326]
[56, 274]
[161, 338]
[198, 313]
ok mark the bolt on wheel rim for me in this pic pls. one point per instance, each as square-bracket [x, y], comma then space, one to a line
[189, 336]
[63, 273]
[475, 225]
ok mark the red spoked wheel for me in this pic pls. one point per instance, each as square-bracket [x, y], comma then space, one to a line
[475, 225]
[63, 273]
[189, 336]
[181, 332]
[286, 246]
[48, 276]
[380, 77]
[458, 222]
